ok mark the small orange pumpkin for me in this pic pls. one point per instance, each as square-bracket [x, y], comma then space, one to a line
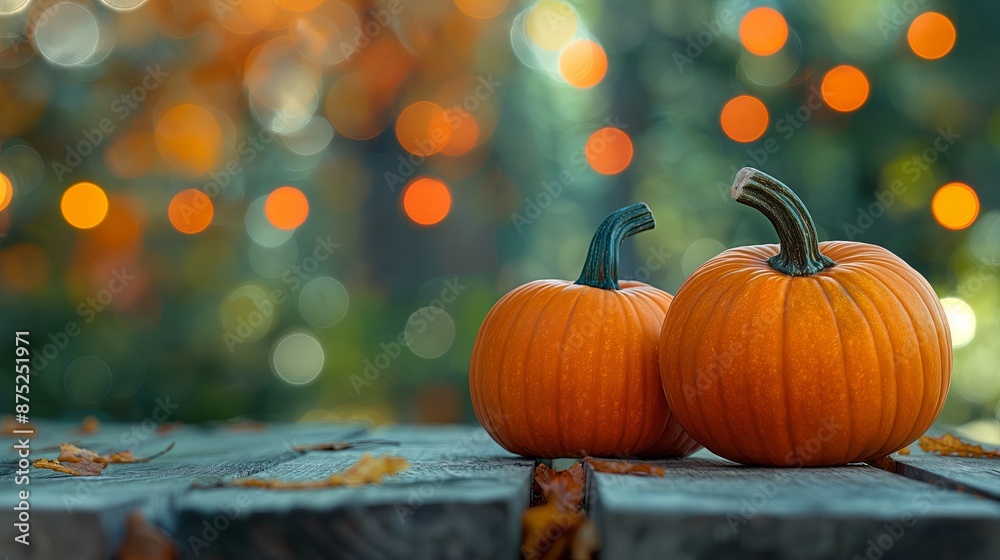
[804, 353]
[569, 369]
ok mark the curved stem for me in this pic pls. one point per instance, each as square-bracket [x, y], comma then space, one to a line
[799, 254]
[601, 268]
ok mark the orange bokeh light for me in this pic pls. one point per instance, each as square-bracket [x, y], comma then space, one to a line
[763, 31]
[931, 35]
[357, 109]
[583, 63]
[955, 206]
[845, 88]
[190, 211]
[744, 118]
[84, 205]
[423, 128]
[482, 9]
[464, 133]
[189, 139]
[299, 5]
[609, 150]
[6, 191]
[286, 208]
[426, 201]
[24, 268]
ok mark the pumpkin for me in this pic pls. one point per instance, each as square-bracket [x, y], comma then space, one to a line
[804, 353]
[570, 369]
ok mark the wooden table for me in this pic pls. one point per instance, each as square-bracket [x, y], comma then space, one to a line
[463, 496]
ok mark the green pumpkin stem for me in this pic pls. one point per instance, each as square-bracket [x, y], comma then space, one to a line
[799, 254]
[601, 268]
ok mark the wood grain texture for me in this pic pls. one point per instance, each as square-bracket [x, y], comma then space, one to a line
[461, 498]
[706, 507]
[84, 517]
[969, 474]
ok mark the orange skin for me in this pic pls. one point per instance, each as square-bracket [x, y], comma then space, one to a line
[846, 365]
[566, 370]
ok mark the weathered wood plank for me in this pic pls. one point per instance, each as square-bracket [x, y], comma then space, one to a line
[971, 474]
[83, 517]
[711, 508]
[461, 498]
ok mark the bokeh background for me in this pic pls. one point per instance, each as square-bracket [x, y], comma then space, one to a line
[303, 209]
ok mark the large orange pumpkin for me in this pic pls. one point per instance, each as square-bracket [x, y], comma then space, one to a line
[569, 369]
[804, 353]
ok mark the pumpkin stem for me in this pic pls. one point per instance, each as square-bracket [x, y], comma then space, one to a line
[799, 254]
[601, 268]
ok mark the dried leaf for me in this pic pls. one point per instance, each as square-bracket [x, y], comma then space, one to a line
[55, 447]
[8, 425]
[90, 425]
[81, 468]
[368, 470]
[341, 445]
[948, 444]
[69, 453]
[586, 542]
[564, 488]
[551, 526]
[904, 451]
[547, 531]
[246, 426]
[128, 457]
[145, 541]
[167, 427]
[626, 467]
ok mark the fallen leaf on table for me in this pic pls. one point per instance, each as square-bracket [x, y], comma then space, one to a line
[128, 457]
[548, 531]
[145, 541]
[246, 426]
[167, 427]
[90, 425]
[565, 488]
[586, 542]
[368, 470]
[904, 451]
[551, 528]
[69, 453]
[79, 468]
[55, 447]
[948, 444]
[626, 467]
[341, 445]
[8, 424]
